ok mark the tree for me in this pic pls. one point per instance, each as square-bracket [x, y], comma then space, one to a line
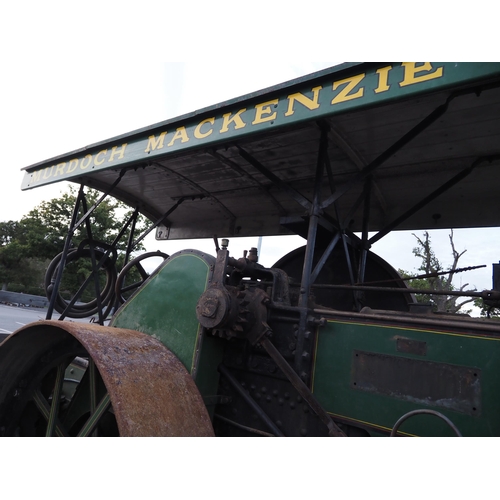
[44, 228]
[10, 252]
[487, 310]
[26, 246]
[430, 265]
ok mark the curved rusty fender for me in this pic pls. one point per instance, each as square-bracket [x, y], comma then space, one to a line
[151, 392]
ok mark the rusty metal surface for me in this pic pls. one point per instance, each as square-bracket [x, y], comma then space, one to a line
[448, 386]
[151, 392]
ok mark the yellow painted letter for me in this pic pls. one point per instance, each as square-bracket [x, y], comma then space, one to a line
[197, 131]
[60, 169]
[154, 143]
[411, 69]
[89, 161]
[97, 161]
[263, 109]
[179, 134]
[36, 176]
[383, 76]
[236, 119]
[304, 100]
[72, 165]
[351, 83]
[45, 176]
[122, 152]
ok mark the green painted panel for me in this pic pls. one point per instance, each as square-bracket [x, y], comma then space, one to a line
[327, 93]
[343, 355]
[165, 306]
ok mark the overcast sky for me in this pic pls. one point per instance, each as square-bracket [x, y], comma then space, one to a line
[52, 108]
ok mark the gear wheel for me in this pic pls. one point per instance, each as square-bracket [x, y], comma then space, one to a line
[231, 312]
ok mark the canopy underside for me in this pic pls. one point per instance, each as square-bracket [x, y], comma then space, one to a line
[262, 183]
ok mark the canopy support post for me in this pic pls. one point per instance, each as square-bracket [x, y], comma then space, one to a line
[305, 287]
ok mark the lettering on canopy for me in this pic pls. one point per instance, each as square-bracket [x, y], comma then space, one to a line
[310, 102]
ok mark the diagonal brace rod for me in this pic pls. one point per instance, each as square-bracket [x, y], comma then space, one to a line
[414, 132]
[447, 185]
[298, 197]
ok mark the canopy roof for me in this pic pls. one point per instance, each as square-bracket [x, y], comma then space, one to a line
[248, 166]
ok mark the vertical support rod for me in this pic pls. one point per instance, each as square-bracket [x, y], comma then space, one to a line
[129, 248]
[364, 237]
[305, 286]
[95, 267]
[67, 242]
[131, 237]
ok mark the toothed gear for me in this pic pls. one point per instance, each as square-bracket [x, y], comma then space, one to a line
[231, 312]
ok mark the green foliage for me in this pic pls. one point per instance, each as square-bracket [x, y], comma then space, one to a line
[487, 311]
[45, 227]
[26, 246]
[418, 283]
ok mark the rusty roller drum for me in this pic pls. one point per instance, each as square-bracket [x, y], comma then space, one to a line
[70, 379]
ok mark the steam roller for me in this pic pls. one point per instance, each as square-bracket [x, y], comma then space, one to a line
[327, 342]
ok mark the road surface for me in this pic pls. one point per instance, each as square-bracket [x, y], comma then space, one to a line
[12, 318]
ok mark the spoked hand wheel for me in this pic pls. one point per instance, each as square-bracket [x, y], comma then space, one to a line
[78, 279]
[123, 289]
[77, 379]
